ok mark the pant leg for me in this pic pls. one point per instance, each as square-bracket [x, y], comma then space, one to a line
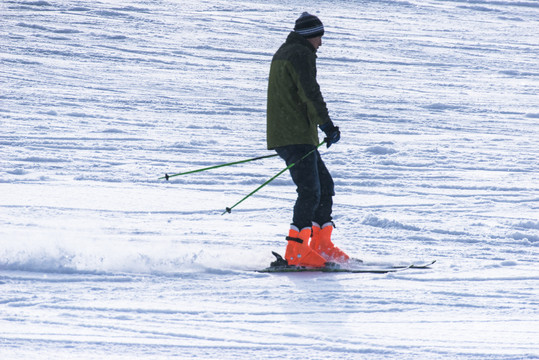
[323, 212]
[306, 177]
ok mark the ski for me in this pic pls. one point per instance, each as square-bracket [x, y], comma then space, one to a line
[281, 266]
[290, 269]
[418, 265]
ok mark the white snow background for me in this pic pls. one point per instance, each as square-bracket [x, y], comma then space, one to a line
[438, 105]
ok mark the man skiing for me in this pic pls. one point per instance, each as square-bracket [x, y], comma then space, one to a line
[295, 110]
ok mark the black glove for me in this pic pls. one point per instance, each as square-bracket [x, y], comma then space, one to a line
[332, 132]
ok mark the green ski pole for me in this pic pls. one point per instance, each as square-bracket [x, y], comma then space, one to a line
[229, 209]
[167, 176]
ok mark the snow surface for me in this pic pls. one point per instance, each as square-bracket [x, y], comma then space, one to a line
[438, 105]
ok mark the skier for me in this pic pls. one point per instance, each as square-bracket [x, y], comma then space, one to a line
[295, 108]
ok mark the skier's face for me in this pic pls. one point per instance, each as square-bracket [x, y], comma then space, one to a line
[316, 42]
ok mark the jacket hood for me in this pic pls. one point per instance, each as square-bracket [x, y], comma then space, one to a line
[295, 38]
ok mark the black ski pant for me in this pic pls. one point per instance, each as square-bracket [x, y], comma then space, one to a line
[314, 183]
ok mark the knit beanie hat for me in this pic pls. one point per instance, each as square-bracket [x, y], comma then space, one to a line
[309, 26]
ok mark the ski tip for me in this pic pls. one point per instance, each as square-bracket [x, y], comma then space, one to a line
[425, 265]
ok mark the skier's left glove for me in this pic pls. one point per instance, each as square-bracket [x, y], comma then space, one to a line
[332, 132]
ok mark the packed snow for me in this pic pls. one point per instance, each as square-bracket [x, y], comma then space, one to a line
[438, 105]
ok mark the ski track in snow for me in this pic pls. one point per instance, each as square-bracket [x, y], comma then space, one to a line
[437, 103]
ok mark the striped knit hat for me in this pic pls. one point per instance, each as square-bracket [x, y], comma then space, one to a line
[309, 26]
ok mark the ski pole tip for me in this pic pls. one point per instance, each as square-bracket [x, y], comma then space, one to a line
[227, 210]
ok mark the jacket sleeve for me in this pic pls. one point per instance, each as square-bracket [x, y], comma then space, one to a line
[308, 88]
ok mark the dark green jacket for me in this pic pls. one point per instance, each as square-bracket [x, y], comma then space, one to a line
[295, 104]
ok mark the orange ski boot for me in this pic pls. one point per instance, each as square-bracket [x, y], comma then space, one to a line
[322, 244]
[298, 252]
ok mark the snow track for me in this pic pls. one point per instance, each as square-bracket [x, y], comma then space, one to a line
[437, 103]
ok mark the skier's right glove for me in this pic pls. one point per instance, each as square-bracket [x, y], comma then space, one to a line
[332, 132]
